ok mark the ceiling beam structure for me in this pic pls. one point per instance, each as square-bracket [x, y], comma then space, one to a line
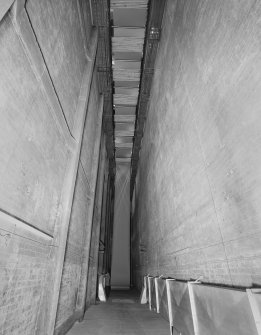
[152, 38]
[101, 19]
[128, 39]
[128, 20]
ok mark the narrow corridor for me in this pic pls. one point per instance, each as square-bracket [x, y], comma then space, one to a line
[130, 155]
[122, 315]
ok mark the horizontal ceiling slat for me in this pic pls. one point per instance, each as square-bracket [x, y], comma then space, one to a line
[126, 84]
[129, 32]
[124, 118]
[125, 110]
[129, 3]
[123, 152]
[124, 126]
[126, 44]
[124, 145]
[122, 55]
[124, 75]
[127, 133]
[129, 17]
[126, 64]
[123, 160]
[129, 91]
[124, 140]
[125, 99]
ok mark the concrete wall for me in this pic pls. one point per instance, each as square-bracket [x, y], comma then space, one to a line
[44, 91]
[73, 254]
[80, 228]
[198, 196]
[57, 27]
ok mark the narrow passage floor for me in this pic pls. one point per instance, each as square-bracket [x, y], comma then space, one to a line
[121, 315]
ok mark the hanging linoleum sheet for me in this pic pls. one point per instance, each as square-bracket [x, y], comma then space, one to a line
[120, 276]
[222, 311]
[180, 314]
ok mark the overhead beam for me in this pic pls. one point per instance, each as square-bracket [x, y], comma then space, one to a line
[101, 19]
[152, 38]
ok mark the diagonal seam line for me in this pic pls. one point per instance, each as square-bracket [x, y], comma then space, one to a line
[49, 74]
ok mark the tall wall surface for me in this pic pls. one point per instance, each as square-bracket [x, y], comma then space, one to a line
[197, 209]
[81, 220]
[50, 140]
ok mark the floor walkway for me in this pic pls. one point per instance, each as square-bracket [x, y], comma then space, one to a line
[121, 315]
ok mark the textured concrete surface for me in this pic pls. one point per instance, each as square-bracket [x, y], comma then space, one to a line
[33, 164]
[90, 129]
[44, 88]
[76, 236]
[121, 315]
[197, 210]
[32, 168]
[73, 255]
[83, 221]
[23, 264]
[58, 30]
